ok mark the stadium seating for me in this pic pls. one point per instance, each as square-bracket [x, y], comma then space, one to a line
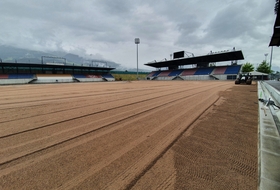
[151, 74]
[95, 76]
[21, 76]
[54, 76]
[156, 73]
[219, 70]
[164, 74]
[108, 75]
[79, 76]
[204, 71]
[3, 76]
[188, 72]
[175, 73]
[233, 69]
[92, 78]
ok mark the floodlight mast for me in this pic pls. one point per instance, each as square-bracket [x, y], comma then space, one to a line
[266, 54]
[137, 41]
[271, 57]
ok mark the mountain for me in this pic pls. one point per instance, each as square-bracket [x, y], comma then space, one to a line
[19, 55]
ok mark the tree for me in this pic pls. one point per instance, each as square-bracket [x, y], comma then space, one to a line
[247, 67]
[264, 68]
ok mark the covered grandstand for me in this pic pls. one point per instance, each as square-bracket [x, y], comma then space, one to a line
[202, 69]
[24, 73]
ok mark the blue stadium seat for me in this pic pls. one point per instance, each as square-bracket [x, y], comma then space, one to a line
[156, 73]
[204, 71]
[175, 73]
[79, 76]
[21, 76]
[233, 69]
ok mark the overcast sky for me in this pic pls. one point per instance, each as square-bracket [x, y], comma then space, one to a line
[106, 29]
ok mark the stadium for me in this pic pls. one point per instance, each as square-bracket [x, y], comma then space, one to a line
[178, 124]
[179, 68]
[44, 72]
[204, 67]
[187, 126]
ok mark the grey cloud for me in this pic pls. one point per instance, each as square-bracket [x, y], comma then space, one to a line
[49, 19]
[236, 21]
[120, 8]
[107, 28]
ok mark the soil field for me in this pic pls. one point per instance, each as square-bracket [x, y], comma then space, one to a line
[129, 135]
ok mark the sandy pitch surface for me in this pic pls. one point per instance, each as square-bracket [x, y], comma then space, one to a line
[129, 135]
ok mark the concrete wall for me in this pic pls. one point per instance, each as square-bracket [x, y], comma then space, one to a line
[269, 142]
[221, 77]
[197, 77]
[52, 80]
[164, 78]
[90, 79]
[46, 80]
[110, 79]
[14, 81]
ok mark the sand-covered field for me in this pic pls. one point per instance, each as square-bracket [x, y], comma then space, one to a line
[129, 135]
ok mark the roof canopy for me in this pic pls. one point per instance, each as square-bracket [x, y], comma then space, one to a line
[6, 64]
[256, 73]
[200, 60]
[275, 39]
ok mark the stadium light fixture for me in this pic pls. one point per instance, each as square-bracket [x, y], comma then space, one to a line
[137, 41]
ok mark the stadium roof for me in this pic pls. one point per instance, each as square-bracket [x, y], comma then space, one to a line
[216, 57]
[275, 39]
[7, 64]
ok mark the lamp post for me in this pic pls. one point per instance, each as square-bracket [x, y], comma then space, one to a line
[271, 57]
[266, 54]
[137, 41]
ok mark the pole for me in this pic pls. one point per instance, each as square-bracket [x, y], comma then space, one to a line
[266, 54]
[137, 41]
[137, 59]
[271, 57]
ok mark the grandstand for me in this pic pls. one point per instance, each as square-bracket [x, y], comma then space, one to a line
[210, 73]
[26, 73]
[202, 71]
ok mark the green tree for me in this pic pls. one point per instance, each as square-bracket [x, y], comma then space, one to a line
[247, 67]
[264, 68]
